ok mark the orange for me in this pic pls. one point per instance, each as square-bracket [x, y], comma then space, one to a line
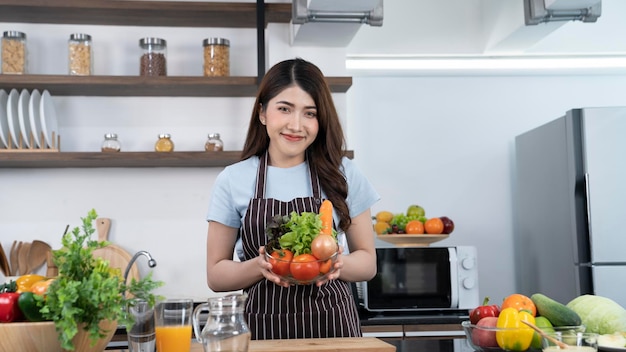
[380, 227]
[520, 302]
[433, 226]
[414, 227]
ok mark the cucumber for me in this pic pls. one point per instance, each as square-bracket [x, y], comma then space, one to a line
[558, 313]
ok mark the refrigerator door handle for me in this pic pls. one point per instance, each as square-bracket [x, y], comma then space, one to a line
[588, 203]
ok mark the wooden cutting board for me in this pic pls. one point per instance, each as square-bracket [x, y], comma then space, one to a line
[116, 255]
[360, 344]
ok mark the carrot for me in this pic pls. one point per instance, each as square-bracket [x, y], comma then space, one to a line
[326, 215]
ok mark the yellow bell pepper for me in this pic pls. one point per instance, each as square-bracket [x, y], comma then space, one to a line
[25, 282]
[515, 336]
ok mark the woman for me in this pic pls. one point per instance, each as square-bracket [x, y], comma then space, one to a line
[292, 160]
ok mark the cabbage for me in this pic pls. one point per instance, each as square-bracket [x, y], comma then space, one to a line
[599, 314]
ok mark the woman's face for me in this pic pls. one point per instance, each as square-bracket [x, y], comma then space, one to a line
[291, 122]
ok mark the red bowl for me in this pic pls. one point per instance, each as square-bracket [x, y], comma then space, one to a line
[300, 271]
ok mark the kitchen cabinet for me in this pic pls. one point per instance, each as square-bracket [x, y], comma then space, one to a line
[142, 13]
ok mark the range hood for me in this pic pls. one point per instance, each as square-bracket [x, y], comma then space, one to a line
[542, 11]
[332, 22]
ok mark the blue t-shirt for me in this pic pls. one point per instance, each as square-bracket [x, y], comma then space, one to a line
[235, 186]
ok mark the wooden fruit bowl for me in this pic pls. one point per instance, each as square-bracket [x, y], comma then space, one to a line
[32, 337]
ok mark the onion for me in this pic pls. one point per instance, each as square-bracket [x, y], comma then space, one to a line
[323, 246]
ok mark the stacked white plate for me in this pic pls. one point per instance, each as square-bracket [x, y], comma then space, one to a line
[25, 114]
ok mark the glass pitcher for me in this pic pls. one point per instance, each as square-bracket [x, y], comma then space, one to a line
[225, 329]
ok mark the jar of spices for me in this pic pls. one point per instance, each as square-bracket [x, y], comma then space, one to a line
[214, 143]
[14, 54]
[216, 57]
[164, 144]
[111, 144]
[153, 61]
[80, 55]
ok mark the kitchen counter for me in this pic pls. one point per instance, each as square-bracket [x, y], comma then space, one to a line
[364, 344]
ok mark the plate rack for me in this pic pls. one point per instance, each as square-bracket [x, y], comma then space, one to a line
[55, 147]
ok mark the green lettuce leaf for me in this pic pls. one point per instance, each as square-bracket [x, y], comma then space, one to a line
[303, 229]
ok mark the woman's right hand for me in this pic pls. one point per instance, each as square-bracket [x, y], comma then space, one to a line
[266, 269]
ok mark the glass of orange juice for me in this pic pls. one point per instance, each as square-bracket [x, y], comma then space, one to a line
[173, 325]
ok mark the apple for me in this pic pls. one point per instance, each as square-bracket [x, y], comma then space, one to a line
[448, 225]
[485, 337]
[415, 211]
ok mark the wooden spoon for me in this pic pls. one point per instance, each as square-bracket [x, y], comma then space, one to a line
[22, 258]
[561, 345]
[4, 263]
[37, 254]
[13, 258]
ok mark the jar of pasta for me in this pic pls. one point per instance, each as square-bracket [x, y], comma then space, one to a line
[216, 57]
[153, 61]
[14, 53]
[80, 55]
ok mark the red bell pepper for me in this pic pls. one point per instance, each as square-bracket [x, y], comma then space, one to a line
[484, 311]
[9, 310]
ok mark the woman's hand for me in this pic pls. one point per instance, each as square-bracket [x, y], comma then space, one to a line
[266, 269]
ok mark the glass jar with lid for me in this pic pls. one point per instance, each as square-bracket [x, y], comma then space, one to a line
[216, 57]
[111, 144]
[80, 55]
[164, 143]
[153, 61]
[14, 53]
[214, 143]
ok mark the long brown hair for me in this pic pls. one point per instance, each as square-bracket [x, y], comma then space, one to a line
[325, 153]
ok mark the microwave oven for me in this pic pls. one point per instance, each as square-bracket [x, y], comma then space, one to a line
[422, 279]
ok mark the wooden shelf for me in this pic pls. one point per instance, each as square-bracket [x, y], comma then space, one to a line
[141, 86]
[141, 13]
[24, 159]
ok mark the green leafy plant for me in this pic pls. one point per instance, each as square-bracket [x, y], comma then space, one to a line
[87, 290]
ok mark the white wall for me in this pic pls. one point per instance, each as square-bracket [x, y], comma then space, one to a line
[447, 143]
[443, 142]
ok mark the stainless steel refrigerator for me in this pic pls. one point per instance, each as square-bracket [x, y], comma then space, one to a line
[570, 206]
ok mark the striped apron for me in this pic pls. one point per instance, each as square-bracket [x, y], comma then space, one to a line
[298, 311]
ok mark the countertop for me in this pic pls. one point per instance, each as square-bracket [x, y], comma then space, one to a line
[364, 344]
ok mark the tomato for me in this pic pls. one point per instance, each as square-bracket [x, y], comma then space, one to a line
[323, 246]
[280, 261]
[326, 266]
[304, 267]
[520, 302]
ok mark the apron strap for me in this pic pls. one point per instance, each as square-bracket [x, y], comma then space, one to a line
[262, 172]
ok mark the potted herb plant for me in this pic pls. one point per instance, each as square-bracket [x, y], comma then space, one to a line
[86, 301]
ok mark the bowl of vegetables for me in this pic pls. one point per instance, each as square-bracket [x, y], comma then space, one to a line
[302, 247]
[486, 336]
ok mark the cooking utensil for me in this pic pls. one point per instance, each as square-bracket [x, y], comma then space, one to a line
[37, 254]
[4, 263]
[117, 256]
[561, 344]
[13, 258]
[22, 258]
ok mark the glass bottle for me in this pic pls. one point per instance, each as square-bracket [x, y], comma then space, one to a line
[153, 61]
[80, 55]
[216, 57]
[164, 144]
[214, 143]
[14, 53]
[111, 144]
